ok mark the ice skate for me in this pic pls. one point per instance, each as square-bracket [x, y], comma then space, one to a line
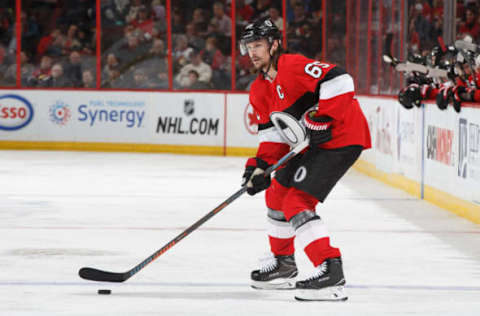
[327, 284]
[276, 273]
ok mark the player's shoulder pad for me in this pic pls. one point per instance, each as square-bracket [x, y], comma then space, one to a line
[257, 83]
[291, 62]
[299, 65]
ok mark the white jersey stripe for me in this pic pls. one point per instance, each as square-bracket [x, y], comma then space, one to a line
[337, 86]
[270, 135]
[309, 232]
[279, 229]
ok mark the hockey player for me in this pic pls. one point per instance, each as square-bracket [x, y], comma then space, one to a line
[321, 96]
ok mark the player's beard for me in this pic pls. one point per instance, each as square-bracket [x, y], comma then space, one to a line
[261, 64]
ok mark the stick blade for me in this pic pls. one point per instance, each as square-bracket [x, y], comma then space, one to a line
[93, 274]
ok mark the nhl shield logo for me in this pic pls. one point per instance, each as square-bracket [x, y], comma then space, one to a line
[188, 106]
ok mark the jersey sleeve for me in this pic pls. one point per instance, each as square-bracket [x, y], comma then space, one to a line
[333, 86]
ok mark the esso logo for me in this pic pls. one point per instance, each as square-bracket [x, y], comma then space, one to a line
[250, 119]
[15, 112]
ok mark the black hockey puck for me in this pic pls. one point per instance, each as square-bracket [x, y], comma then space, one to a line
[105, 292]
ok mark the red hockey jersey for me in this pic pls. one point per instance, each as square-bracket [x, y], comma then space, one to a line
[302, 84]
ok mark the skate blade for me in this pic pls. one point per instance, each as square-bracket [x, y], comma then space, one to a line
[278, 284]
[329, 294]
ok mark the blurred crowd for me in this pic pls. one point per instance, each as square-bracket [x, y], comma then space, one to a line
[59, 42]
[425, 27]
[59, 39]
[7, 46]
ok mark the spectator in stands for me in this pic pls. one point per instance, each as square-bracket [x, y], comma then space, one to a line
[56, 49]
[244, 11]
[316, 11]
[194, 83]
[112, 80]
[212, 55]
[159, 76]
[157, 51]
[140, 79]
[42, 73]
[261, 7]
[299, 27]
[88, 79]
[218, 62]
[158, 10]
[26, 70]
[110, 63]
[47, 41]
[73, 68]
[274, 13]
[155, 66]
[87, 41]
[469, 24]
[194, 40]
[30, 32]
[413, 38]
[143, 21]
[197, 64]
[178, 26]
[115, 12]
[300, 18]
[212, 30]
[71, 41]
[158, 30]
[6, 24]
[199, 20]
[57, 79]
[420, 33]
[134, 10]
[437, 30]
[221, 20]
[4, 65]
[181, 53]
[437, 9]
[132, 51]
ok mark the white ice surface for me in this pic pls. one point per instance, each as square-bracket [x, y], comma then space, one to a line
[60, 211]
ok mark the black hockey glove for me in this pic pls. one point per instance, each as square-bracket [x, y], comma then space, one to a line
[254, 176]
[459, 94]
[425, 91]
[410, 96]
[319, 128]
[443, 97]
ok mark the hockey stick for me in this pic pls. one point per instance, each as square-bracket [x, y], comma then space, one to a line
[106, 276]
[464, 47]
[408, 67]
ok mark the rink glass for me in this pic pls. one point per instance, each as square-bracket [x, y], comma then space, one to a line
[60, 49]
[8, 50]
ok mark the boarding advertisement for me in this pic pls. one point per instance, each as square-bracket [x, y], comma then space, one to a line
[116, 117]
[188, 118]
[242, 122]
[468, 149]
[440, 143]
[381, 115]
[409, 142]
[452, 161]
